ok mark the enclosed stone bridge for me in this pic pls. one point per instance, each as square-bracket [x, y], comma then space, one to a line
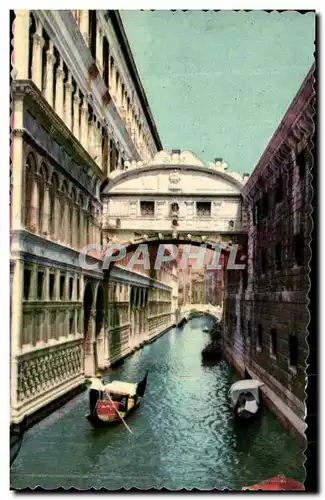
[175, 197]
[207, 309]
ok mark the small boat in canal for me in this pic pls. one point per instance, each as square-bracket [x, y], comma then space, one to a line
[17, 432]
[115, 402]
[206, 329]
[245, 399]
[278, 483]
[212, 352]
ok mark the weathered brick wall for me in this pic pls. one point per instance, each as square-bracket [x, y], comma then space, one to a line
[278, 205]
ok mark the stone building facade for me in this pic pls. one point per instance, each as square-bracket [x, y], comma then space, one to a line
[267, 310]
[78, 113]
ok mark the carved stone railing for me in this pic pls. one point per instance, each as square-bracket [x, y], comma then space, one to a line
[46, 369]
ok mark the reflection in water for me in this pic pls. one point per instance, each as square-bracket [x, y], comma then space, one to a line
[184, 434]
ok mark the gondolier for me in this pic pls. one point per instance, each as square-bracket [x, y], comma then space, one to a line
[95, 391]
[113, 402]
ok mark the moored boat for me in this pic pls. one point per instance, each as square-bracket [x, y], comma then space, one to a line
[206, 329]
[115, 402]
[278, 483]
[212, 352]
[245, 399]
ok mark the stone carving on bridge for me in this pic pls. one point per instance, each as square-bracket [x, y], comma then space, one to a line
[38, 375]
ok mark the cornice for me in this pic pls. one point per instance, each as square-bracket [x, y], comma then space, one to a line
[132, 69]
[138, 171]
[26, 89]
[65, 34]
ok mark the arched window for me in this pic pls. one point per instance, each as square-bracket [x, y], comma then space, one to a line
[30, 171]
[63, 211]
[72, 217]
[53, 198]
[41, 196]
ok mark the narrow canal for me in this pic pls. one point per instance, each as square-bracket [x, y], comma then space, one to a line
[183, 433]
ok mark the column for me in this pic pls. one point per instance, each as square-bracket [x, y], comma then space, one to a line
[84, 124]
[99, 48]
[59, 90]
[16, 317]
[89, 354]
[112, 83]
[76, 102]
[46, 210]
[67, 104]
[34, 205]
[119, 93]
[21, 44]
[50, 60]
[99, 146]
[17, 159]
[83, 26]
[90, 136]
[37, 56]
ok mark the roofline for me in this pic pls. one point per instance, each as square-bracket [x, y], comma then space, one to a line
[136, 172]
[122, 38]
[298, 104]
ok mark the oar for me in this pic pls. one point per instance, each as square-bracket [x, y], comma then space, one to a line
[118, 413]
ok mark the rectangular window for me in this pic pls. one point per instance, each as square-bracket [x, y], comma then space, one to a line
[293, 350]
[203, 208]
[71, 323]
[40, 282]
[299, 247]
[27, 280]
[254, 215]
[301, 163]
[51, 285]
[274, 344]
[259, 340]
[249, 330]
[70, 288]
[257, 211]
[278, 257]
[263, 261]
[62, 287]
[147, 208]
[265, 204]
[279, 190]
[78, 289]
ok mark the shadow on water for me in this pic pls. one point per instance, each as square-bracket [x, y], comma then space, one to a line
[245, 435]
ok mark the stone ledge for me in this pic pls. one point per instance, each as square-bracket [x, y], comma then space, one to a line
[44, 405]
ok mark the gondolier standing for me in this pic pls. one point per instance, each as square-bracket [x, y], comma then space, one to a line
[95, 392]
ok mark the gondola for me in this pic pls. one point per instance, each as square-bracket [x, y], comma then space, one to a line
[117, 402]
[245, 399]
[212, 352]
[17, 432]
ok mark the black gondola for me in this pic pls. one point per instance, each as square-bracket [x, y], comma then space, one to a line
[117, 402]
[212, 352]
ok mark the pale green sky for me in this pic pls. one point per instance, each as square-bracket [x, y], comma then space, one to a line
[219, 83]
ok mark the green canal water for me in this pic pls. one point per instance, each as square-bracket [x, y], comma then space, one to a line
[183, 434]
